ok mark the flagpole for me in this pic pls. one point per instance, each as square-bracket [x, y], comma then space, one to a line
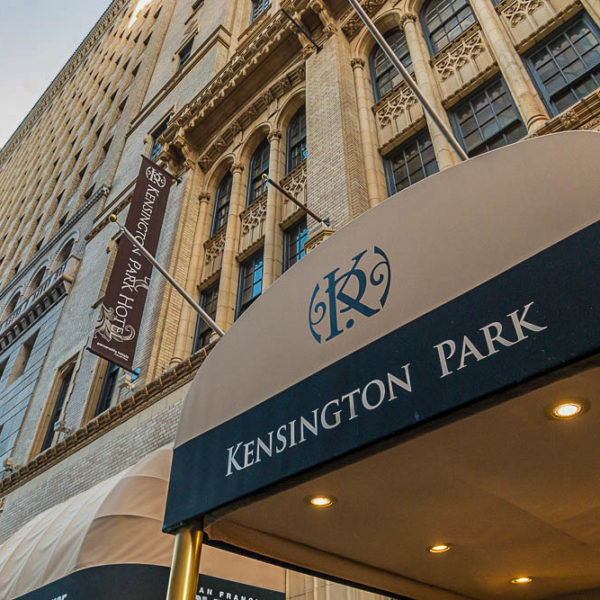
[168, 277]
[412, 84]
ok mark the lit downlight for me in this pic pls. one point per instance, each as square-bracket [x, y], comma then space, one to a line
[439, 548]
[568, 409]
[320, 501]
[524, 579]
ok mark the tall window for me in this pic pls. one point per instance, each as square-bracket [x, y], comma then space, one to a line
[566, 67]
[445, 20]
[156, 147]
[294, 242]
[184, 54]
[208, 301]
[383, 73]
[259, 165]
[296, 140]
[63, 387]
[412, 161]
[222, 200]
[487, 119]
[258, 7]
[107, 390]
[22, 359]
[250, 286]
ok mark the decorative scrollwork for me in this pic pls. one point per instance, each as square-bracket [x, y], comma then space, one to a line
[465, 50]
[213, 247]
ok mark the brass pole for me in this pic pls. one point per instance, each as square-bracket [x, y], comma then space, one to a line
[183, 580]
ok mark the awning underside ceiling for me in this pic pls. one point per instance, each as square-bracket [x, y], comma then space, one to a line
[513, 491]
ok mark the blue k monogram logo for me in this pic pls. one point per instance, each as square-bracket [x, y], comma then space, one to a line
[361, 290]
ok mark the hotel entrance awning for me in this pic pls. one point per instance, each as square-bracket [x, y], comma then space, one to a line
[107, 543]
[407, 368]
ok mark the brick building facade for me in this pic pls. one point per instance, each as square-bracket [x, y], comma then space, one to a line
[222, 92]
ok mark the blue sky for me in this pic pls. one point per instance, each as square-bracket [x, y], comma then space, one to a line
[37, 37]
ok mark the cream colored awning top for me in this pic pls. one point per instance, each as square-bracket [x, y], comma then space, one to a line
[118, 521]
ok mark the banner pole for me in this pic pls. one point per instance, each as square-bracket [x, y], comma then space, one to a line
[185, 568]
[412, 84]
[168, 277]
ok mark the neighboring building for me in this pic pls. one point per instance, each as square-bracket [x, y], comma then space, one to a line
[221, 92]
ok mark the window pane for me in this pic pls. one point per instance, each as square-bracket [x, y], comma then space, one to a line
[492, 118]
[412, 162]
[561, 67]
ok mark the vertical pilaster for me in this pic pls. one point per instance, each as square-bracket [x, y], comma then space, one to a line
[229, 266]
[336, 179]
[521, 87]
[273, 251]
[188, 316]
[374, 173]
[445, 155]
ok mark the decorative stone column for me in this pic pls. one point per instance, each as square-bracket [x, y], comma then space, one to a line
[520, 85]
[375, 175]
[445, 155]
[273, 250]
[188, 316]
[229, 267]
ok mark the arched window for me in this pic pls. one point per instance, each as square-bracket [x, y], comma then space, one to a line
[445, 20]
[64, 254]
[222, 199]
[35, 282]
[258, 7]
[259, 165]
[296, 140]
[383, 73]
[10, 307]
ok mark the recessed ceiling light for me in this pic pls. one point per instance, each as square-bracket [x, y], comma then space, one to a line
[439, 548]
[523, 579]
[567, 409]
[320, 500]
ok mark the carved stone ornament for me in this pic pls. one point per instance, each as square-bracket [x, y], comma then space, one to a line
[353, 24]
[394, 104]
[357, 63]
[214, 246]
[465, 50]
[569, 119]
[295, 182]
[254, 215]
[517, 11]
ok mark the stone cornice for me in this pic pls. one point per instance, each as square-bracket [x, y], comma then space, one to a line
[583, 115]
[61, 79]
[101, 192]
[157, 389]
[240, 66]
[225, 137]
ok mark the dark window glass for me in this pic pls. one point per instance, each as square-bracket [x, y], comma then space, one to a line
[251, 276]
[412, 161]
[65, 380]
[296, 140]
[295, 240]
[156, 147]
[185, 53]
[208, 301]
[383, 73]
[444, 20]
[259, 165]
[566, 67]
[258, 7]
[488, 119]
[222, 199]
[109, 382]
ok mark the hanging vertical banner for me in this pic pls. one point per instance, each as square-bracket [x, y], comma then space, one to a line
[118, 323]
